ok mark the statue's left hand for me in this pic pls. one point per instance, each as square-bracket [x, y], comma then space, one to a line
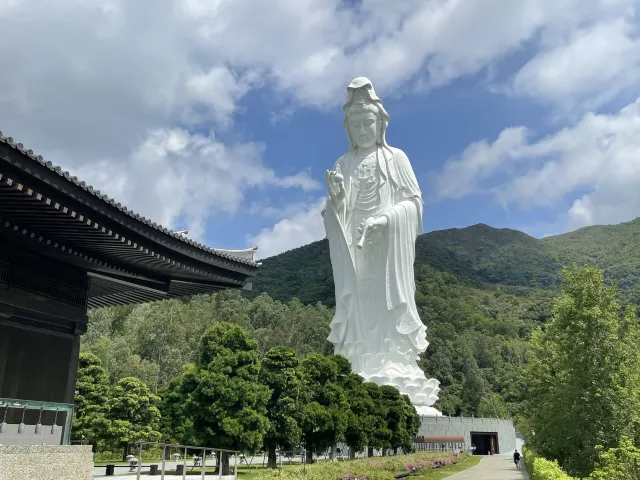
[379, 223]
[371, 225]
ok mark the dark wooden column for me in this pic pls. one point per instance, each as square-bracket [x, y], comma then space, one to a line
[40, 326]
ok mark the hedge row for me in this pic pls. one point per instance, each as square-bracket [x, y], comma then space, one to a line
[542, 469]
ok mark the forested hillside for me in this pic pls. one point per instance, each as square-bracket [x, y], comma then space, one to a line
[479, 254]
[481, 291]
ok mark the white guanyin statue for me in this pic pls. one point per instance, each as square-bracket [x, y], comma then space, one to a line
[372, 218]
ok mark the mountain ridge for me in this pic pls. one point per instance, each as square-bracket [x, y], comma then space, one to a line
[479, 254]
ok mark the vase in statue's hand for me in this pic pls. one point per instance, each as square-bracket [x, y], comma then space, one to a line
[371, 226]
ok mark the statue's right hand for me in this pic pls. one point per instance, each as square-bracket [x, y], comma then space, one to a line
[335, 182]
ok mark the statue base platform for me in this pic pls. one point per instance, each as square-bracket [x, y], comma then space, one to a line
[425, 411]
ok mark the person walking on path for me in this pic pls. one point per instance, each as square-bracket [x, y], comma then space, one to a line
[516, 459]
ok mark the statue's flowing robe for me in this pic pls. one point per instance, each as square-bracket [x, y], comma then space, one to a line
[404, 335]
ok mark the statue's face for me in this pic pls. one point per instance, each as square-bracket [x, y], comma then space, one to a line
[363, 129]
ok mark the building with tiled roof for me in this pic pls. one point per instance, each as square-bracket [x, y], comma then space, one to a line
[66, 247]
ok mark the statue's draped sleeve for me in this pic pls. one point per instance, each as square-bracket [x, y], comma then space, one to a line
[403, 226]
[343, 269]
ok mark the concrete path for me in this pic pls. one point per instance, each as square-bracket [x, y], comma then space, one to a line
[491, 468]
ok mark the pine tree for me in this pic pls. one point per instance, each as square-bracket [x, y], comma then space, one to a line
[92, 401]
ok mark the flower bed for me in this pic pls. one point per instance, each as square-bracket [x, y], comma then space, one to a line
[375, 468]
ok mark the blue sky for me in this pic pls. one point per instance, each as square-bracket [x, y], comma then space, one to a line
[221, 116]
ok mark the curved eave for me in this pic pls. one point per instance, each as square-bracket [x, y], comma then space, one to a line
[111, 285]
[121, 270]
[33, 174]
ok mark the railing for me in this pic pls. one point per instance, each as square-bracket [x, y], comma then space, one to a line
[204, 450]
[65, 409]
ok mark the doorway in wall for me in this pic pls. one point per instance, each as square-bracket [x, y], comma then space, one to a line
[486, 443]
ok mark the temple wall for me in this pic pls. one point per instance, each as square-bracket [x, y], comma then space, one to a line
[34, 365]
[46, 462]
[463, 426]
[11, 436]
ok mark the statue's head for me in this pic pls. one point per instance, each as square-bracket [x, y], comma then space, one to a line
[365, 119]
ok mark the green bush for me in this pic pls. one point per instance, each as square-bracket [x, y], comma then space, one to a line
[376, 468]
[542, 469]
[621, 463]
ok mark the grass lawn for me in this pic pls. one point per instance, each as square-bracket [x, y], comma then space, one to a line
[244, 473]
[436, 474]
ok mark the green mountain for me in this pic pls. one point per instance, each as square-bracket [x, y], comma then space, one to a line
[481, 291]
[479, 254]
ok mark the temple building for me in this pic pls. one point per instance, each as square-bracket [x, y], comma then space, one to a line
[66, 247]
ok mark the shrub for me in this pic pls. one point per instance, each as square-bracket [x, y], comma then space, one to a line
[621, 463]
[542, 469]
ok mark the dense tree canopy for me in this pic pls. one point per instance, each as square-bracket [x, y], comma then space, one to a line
[582, 381]
[280, 373]
[222, 393]
[133, 414]
[483, 293]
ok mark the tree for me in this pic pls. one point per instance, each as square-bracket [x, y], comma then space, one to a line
[119, 361]
[176, 426]
[582, 380]
[134, 415]
[412, 424]
[401, 421]
[493, 406]
[280, 373]
[362, 410]
[621, 463]
[92, 399]
[379, 435]
[223, 395]
[473, 388]
[324, 415]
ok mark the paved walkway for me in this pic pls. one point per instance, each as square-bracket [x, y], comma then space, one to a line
[491, 468]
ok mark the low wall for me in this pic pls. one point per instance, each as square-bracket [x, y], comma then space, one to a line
[46, 462]
[11, 436]
[463, 426]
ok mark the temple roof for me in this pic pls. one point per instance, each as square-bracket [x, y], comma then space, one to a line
[129, 258]
[243, 255]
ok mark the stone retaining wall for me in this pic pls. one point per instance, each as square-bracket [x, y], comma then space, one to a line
[46, 462]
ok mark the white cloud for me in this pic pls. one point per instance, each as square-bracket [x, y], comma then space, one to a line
[588, 68]
[189, 176]
[302, 227]
[107, 88]
[599, 155]
[464, 175]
